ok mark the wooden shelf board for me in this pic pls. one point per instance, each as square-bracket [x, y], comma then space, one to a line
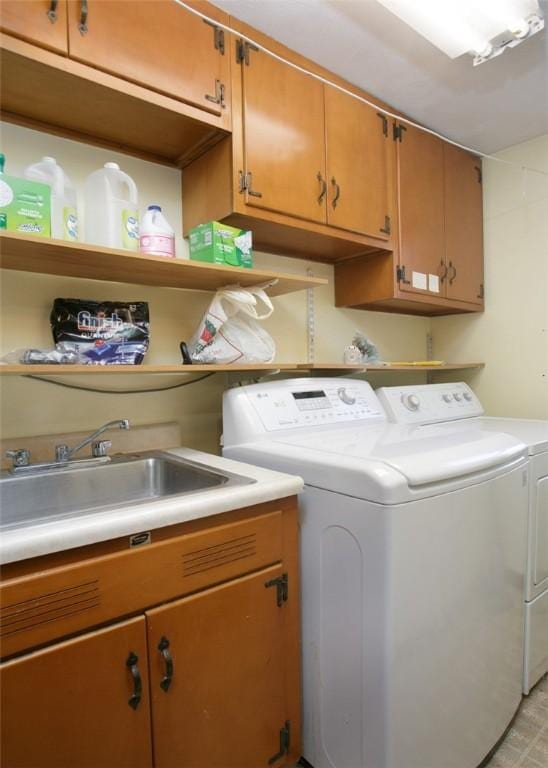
[56, 257]
[388, 368]
[186, 370]
[107, 370]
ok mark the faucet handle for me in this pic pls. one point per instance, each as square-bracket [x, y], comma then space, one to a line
[100, 448]
[20, 457]
[62, 452]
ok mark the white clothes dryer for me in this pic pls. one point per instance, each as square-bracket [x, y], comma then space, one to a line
[412, 573]
[454, 403]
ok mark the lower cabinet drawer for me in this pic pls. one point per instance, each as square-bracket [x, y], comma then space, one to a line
[39, 608]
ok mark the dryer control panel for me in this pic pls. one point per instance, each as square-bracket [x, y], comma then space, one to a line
[429, 403]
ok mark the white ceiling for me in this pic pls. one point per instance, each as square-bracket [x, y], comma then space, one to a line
[489, 107]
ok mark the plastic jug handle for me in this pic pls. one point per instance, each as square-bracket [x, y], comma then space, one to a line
[131, 185]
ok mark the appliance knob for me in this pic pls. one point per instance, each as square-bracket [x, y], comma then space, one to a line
[457, 396]
[411, 402]
[446, 398]
[467, 396]
[345, 397]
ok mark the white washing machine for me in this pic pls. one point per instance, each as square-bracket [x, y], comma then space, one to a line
[412, 573]
[457, 402]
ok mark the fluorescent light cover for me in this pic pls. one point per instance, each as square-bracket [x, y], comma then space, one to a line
[462, 26]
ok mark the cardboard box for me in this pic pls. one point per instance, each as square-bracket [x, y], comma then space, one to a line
[25, 206]
[218, 243]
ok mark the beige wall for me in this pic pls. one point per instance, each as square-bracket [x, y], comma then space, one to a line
[30, 407]
[512, 335]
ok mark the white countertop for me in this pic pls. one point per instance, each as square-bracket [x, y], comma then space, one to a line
[70, 532]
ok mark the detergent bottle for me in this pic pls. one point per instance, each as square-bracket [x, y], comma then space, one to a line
[64, 212]
[157, 236]
[111, 209]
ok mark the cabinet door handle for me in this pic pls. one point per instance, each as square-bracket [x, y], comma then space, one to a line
[454, 271]
[52, 13]
[337, 192]
[131, 663]
[323, 189]
[163, 647]
[250, 190]
[219, 97]
[83, 25]
[443, 269]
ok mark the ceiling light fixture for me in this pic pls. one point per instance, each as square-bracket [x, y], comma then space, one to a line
[482, 28]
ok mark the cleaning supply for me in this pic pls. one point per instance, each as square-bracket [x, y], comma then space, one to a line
[111, 209]
[102, 332]
[25, 205]
[64, 214]
[157, 237]
[220, 244]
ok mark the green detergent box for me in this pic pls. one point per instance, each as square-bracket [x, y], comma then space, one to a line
[25, 206]
[218, 243]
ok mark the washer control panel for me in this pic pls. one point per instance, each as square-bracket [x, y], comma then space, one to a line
[313, 402]
[429, 403]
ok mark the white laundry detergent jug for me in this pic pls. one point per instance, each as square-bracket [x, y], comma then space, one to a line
[157, 237]
[111, 209]
[64, 212]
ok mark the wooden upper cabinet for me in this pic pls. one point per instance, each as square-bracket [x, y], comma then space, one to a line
[43, 22]
[155, 44]
[421, 210]
[222, 651]
[69, 705]
[283, 138]
[463, 225]
[359, 165]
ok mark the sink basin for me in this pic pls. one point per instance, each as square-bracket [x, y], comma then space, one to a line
[129, 479]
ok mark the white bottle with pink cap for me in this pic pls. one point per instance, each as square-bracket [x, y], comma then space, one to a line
[157, 238]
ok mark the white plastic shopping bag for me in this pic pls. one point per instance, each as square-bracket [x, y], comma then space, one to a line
[230, 331]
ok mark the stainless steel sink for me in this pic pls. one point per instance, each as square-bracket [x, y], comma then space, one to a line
[129, 479]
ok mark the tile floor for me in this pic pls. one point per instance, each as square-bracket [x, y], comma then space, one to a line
[526, 743]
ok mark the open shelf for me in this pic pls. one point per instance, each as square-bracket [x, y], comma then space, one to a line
[178, 370]
[27, 253]
[85, 104]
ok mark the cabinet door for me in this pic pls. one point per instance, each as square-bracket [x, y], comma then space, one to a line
[463, 225]
[358, 166]
[284, 143]
[224, 706]
[156, 44]
[43, 22]
[68, 706]
[421, 211]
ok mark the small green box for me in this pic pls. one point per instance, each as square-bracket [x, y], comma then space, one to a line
[218, 243]
[25, 206]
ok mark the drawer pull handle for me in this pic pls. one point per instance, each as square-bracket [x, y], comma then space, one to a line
[131, 663]
[323, 190]
[454, 270]
[83, 25]
[163, 647]
[337, 192]
[52, 13]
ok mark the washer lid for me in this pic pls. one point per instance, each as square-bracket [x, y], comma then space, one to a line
[532, 432]
[422, 454]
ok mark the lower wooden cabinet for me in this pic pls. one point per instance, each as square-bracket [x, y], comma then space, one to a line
[74, 704]
[207, 680]
[217, 676]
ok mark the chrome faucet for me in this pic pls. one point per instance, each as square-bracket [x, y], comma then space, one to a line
[20, 457]
[99, 448]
